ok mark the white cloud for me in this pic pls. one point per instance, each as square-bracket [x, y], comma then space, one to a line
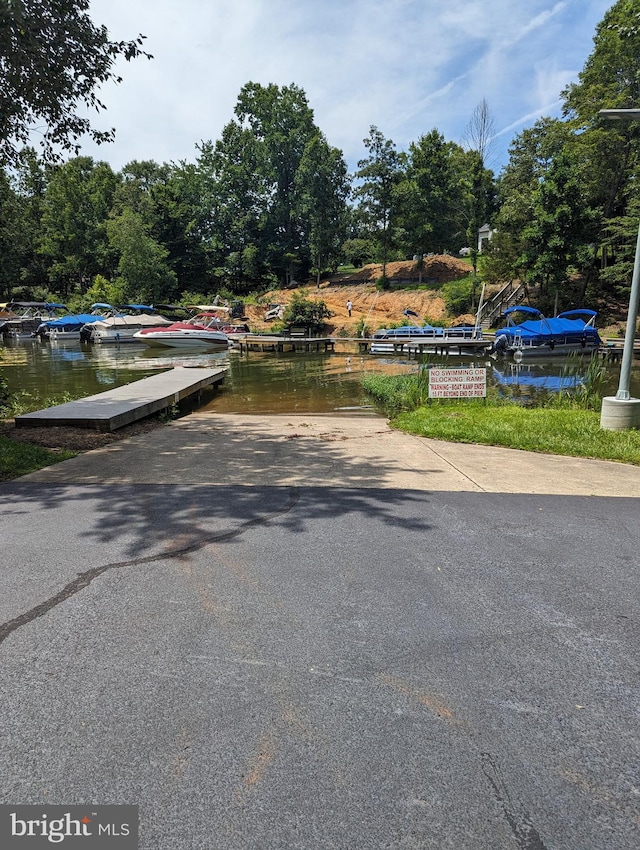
[406, 66]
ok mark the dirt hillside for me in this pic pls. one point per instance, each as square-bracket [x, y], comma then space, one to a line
[377, 308]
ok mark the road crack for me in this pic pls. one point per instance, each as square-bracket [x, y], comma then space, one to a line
[84, 579]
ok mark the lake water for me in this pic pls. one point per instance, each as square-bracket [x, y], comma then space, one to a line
[259, 382]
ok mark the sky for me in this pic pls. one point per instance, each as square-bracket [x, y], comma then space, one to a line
[405, 66]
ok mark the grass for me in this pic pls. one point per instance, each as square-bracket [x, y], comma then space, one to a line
[18, 459]
[562, 424]
[571, 432]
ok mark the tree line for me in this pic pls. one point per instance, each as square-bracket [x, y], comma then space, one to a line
[271, 201]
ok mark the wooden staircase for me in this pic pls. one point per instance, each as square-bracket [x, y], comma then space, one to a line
[510, 294]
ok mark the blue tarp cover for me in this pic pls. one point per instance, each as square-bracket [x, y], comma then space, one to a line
[548, 329]
[72, 321]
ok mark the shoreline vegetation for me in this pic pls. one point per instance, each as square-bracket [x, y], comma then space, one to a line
[564, 423]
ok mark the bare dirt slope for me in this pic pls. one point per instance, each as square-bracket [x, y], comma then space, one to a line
[377, 308]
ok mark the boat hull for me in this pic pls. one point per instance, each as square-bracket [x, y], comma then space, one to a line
[545, 350]
[212, 341]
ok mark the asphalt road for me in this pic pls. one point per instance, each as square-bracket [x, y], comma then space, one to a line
[304, 666]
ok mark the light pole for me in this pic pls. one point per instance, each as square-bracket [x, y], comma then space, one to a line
[621, 412]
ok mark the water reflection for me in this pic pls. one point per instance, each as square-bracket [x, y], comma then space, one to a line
[524, 381]
[265, 382]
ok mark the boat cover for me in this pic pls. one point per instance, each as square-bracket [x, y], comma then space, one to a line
[543, 330]
[71, 322]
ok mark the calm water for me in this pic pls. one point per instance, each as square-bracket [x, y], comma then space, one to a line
[257, 383]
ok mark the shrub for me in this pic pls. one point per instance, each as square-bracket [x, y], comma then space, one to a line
[457, 295]
[306, 311]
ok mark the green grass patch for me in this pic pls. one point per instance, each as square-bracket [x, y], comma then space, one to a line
[572, 432]
[562, 423]
[18, 458]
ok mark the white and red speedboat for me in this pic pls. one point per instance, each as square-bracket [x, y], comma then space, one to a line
[201, 331]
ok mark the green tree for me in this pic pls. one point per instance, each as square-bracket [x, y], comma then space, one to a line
[166, 199]
[430, 197]
[52, 60]
[379, 174]
[610, 79]
[306, 311]
[559, 228]
[143, 272]
[323, 188]
[233, 209]
[10, 242]
[259, 217]
[531, 156]
[77, 204]
[23, 272]
[281, 122]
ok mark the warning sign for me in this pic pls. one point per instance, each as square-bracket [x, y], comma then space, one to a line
[457, 383]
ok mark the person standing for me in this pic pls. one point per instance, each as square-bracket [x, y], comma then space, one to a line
[349, 307]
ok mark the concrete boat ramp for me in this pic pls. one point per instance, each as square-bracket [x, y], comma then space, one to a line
[111, 410]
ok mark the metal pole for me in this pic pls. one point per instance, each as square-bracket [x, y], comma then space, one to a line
[621, 412]
[629, 338]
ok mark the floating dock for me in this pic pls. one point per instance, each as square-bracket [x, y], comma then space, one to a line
[264, 342]
[115, 408]
[414, 345]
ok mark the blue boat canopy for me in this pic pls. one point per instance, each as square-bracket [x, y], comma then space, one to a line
[522, 309]
[569, 314]
[73, 320]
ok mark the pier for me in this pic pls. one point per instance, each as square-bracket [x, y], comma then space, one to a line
[264, 342]
[414, 345]
[408, 345]
[121, 406]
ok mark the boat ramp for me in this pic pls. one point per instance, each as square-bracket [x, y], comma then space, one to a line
[121, 406]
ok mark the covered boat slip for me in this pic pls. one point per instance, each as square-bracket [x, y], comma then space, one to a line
[115, 408]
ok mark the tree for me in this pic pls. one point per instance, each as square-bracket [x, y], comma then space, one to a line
[281, 122]
[610, 79]
[379, 174]
[306, 311]
[52, 60]
[232, 215]
[143, 271]
[263, 183]
[559, 227]
[430, 197]
[323, 188]
[29, 180]
[77, 204]
[10, 253]
[479, 135]
[531, 155]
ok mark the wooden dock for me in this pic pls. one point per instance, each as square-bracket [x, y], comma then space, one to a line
[111, 410]
[264, 342]
[415, 346]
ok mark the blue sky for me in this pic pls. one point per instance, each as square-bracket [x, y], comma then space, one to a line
[406, 66]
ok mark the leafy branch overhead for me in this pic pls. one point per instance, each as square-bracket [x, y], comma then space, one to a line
[52, 60]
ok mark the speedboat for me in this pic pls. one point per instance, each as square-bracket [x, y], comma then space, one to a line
[204, 330]
[571, 332]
